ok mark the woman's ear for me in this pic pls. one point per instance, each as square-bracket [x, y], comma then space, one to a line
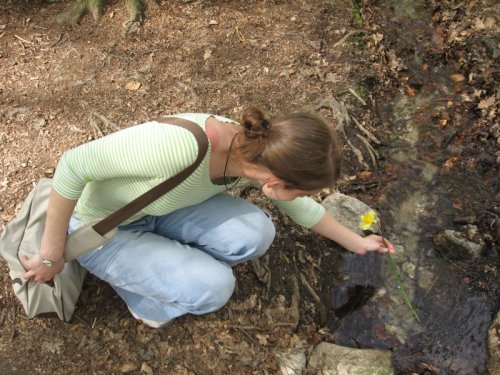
[273, 183]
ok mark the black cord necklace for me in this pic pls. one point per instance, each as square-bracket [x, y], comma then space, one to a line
[224, 177]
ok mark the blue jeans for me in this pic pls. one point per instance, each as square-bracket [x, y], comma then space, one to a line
[167, 266]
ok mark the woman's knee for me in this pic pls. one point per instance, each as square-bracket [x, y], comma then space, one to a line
[209, 289]
[261, 234]
[251, 237]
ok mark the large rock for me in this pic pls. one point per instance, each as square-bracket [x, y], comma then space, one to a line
[333, 359]
[347, 210]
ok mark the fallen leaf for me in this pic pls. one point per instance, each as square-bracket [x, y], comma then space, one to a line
[409, 90]
[486, 23]
[128, 367]
[490, 22]
[377, 38]
[458, 204]
[457, 77]
[365, 175]
[332, 77]
[486, 103]
[207, 54]
[438, 36]
[451, 163]
[145, 368]
[132, 85]
[54, 347]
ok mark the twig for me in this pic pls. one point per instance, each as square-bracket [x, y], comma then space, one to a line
[18, 183]
[285, 324]
[347, 36]
[255, 342]
[240, 36]
[355, 94]
[339, 110]
[24, 40]
[95, 125]
[57, 41]
[188, 89]
[107, 122]
[358, 154]
[295, 304]
[246, 327]
[371, 151]
[309, 288]
[365, 131]
[321, 306]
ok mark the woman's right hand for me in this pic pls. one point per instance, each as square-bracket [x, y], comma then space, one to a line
[38, 271]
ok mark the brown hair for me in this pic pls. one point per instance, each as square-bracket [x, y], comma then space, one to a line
[300, 148]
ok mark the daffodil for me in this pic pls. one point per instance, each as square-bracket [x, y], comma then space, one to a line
[368, 220]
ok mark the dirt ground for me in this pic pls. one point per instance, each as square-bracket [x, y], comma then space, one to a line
[61, 86]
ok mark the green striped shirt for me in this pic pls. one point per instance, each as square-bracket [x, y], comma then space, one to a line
[107, 173]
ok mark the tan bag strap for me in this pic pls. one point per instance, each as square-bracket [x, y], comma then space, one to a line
[118, 217]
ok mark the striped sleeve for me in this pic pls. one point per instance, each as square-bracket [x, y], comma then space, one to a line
[149, 150]
[304, 211]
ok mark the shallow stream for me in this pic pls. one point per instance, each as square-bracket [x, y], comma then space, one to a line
[420, 202]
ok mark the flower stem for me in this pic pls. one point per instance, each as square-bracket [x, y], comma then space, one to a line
[399, 282]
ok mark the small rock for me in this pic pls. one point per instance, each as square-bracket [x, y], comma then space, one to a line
[291, 361]
[315, 44]
[132, 85]
[207, 54]
[409, 268]
[333, 359]
[455, 246]
[49, 172]
[332, 77]
[39, 123]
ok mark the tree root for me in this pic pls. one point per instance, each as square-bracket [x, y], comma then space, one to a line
[136, 11]
[343, 117]
[102, 125]
[80, 9]
[95, 7]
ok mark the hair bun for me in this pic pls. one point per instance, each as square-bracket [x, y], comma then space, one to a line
[254, 122]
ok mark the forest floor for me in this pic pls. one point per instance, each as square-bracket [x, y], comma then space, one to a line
[61, 86]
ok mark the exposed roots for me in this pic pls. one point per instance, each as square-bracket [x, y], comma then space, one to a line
[80, 9]
[95, 7]
[136, 11]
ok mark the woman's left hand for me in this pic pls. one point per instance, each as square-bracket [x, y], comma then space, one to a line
[374, 242]
[332, 229]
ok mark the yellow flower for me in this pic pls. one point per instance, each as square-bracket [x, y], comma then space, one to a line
[368, 220]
